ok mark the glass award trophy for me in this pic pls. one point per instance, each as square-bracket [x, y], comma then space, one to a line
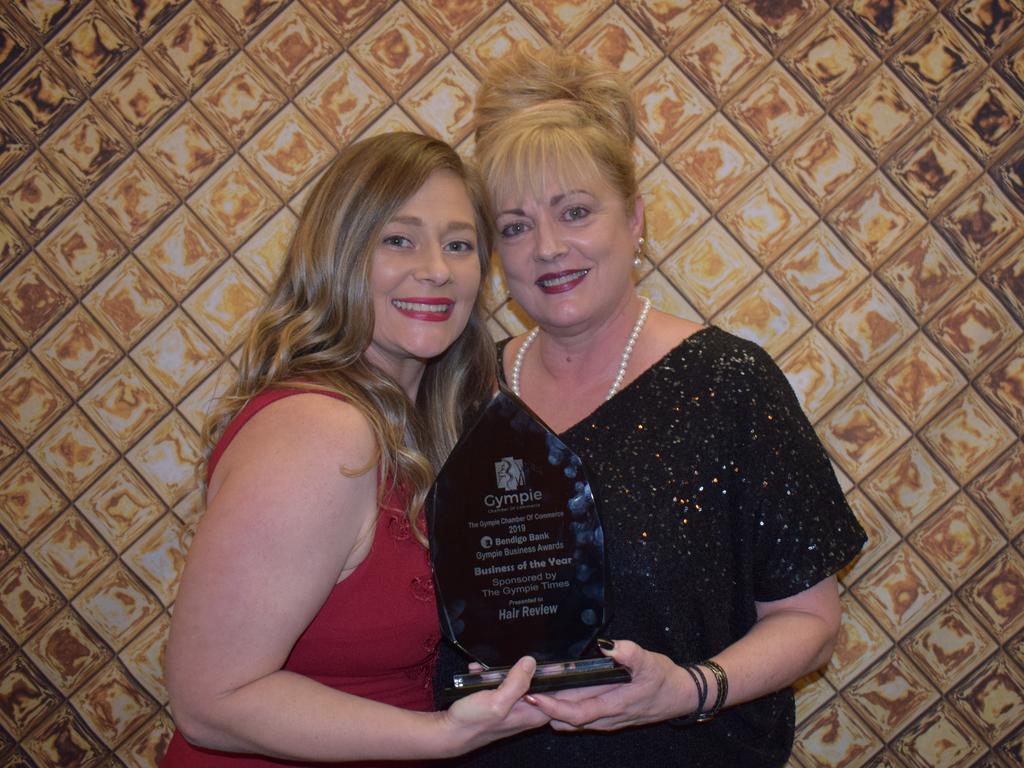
[517, 552]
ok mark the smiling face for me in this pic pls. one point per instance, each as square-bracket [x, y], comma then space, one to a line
[424, 278]
[568, 251]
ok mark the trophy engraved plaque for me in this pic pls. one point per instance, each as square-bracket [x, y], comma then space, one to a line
[517, 552]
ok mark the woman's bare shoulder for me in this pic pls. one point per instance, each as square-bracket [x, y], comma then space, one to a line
[668, 331]
[312, 429]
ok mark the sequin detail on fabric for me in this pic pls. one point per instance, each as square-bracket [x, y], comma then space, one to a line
[715, 494]
[399, 528]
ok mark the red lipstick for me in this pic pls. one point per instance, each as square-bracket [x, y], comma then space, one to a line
[431, 309]
[560, 282]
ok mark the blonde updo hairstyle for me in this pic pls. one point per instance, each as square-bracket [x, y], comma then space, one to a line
[317, 322]
[541, 113]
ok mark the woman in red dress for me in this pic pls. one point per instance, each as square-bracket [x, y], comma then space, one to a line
[305, 629]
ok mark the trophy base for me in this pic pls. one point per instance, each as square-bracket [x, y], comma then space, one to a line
[549, 677]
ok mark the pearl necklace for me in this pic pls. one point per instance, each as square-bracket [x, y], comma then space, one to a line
[517, 365]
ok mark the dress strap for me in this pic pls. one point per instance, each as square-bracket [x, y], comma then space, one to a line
[250, 409]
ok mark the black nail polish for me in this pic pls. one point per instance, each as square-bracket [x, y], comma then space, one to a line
[605, 645]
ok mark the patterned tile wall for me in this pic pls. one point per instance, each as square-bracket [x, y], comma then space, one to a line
[842, 182]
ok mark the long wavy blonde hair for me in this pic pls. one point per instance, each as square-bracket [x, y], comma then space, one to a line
[317, 321]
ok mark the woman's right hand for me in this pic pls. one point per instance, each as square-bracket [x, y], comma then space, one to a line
[487, 716]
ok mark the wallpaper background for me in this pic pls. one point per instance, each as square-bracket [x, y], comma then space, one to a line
[841, 182]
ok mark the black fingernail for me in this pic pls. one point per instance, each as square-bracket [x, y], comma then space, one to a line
[605, 645]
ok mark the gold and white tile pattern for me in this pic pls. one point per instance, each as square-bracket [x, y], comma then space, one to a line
[839, 180]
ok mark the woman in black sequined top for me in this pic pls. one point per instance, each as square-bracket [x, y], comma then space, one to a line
[724, 523]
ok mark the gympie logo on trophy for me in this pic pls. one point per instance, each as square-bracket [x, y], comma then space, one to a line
[510, 473]
[517, 551]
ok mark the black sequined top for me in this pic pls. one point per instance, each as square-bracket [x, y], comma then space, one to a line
[714, 493]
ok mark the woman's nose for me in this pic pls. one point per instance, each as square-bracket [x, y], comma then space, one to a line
[549, 244]
[434, 267]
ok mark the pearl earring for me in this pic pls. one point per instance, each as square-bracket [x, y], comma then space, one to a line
[639, 253]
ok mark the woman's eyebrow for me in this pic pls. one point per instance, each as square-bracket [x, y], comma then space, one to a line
[555, 200]
[416, 221]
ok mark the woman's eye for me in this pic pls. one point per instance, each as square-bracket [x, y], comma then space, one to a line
[575, 213]
[397, 241]
[513, 229]
[461, 246]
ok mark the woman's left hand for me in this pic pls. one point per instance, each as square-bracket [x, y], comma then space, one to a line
[792, 636]
[660, 690]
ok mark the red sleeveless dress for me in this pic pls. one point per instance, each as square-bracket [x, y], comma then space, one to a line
[376, 635]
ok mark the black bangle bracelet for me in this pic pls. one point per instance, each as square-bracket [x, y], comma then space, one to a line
[723, 689]
[697, 675]
[723, 686]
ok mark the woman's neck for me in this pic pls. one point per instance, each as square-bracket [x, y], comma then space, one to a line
[576, 356]
[589, 366]
[407, 373]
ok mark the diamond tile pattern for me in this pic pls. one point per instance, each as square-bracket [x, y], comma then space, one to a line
[841, 181]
